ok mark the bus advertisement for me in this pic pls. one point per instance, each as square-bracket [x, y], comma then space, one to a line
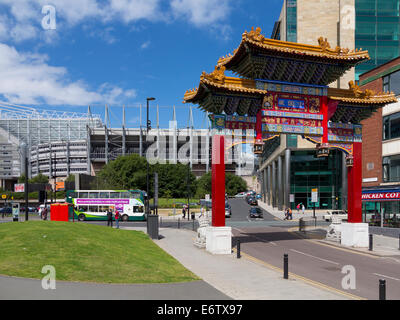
[93, 205]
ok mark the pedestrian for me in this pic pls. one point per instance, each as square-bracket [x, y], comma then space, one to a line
[303, 208]
[298, 208]
[109, 217]
[201, 211]
[117, 216]
[44, 213]
[286, 214]
[184, 211]
[290, 214]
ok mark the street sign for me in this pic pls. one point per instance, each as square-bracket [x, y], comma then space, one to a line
[4, 196]
[314, 195]
[291, 198]
[207, 197]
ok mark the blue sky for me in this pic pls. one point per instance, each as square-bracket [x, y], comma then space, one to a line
[119, 52]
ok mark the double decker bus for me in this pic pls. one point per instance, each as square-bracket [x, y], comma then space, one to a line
[92, 205]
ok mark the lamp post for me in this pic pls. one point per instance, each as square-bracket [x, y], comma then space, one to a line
[24, 159]
[148, 127]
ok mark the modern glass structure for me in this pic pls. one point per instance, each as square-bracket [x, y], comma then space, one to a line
[377, 30]
[291, 20]
[325, 174]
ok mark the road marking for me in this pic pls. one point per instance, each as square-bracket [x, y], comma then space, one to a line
[311, 256]
[306, 280]
[382, 275]
[331, 245]
[259, 239]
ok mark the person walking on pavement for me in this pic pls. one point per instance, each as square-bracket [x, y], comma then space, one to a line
[184, 211]
[303, 208]
[117, 216]
[298, 208]
[286, 214]
[109, 218]
[290, 214]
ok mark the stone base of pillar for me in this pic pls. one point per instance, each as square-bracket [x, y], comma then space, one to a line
[355, 235]
[219, 240]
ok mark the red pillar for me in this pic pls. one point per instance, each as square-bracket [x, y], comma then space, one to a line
[259, 126]
[354, 186]
[324, 111]
[218, 181]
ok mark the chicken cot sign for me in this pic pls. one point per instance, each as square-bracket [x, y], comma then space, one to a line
[374, 196]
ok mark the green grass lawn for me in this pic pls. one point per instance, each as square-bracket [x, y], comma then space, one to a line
[86, 253]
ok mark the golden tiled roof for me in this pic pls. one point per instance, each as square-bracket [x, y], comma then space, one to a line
[218, 80]
[354, 95]
[322, 50]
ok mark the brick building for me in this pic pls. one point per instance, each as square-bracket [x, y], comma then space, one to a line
[381, 148]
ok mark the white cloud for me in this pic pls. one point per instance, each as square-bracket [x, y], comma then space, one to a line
[145, 45]
[23, 21]
[201, 12]
[28, 79]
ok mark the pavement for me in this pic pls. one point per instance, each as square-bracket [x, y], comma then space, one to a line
[224, 277]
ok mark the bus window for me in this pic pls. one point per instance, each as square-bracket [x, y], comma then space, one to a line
[114, 195]
[135, 195]
[93, 195]
[93, 209]
[73, 195]
[83, 208]
[125, 195]
[83, 195]
[103, 208]
[104, 195]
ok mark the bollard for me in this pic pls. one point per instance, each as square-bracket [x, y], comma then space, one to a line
[382, 289]
[238, 249]
[179, 223]
[285, 266]
[371, 242]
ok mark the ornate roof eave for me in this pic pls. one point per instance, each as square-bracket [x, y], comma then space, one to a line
[218, 81]
[353, 96]
[323, 51]
[357, 97]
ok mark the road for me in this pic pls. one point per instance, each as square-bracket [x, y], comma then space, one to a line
[312, 259]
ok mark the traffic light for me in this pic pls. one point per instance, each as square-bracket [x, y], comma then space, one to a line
[148, 125]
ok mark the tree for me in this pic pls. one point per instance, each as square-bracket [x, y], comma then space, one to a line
[233, 185]
[130, 172]
[40, 178]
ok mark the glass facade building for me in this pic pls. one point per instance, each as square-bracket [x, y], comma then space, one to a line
[325, 174]
[291, 20]
[377, 30]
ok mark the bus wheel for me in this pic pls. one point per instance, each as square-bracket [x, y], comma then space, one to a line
[81, 217]
[125, 218]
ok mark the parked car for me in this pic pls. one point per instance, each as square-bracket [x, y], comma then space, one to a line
[241, 195]
[6, 210]
[255, 212]
[340, 214]
[30, 209]
[228, 210]
[258, 196]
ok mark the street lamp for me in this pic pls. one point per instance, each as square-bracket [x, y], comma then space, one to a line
[24, 160]
[148, 128]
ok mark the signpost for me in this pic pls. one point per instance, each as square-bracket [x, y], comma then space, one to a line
[314, 199]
